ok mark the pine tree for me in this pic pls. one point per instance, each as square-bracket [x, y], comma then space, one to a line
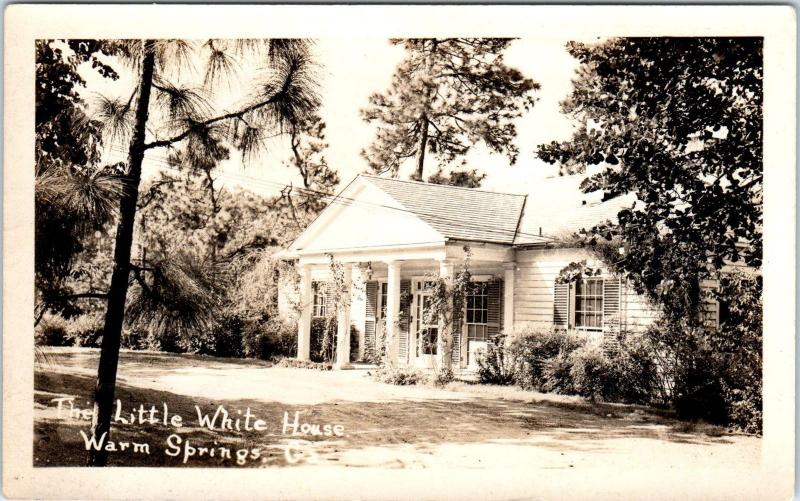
[160, 113]
[446, 96]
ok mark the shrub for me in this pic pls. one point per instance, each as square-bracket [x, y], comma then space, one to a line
[398, 375]
[303, 364]
[626, 373]
[495, 366]
[639, 377]
[266, 340]
[556, 376]
[592, 374]
[133, 339]
[86, 329]
[323, 336]
[52, 331]
[442, 376]
[716, 373]
[354, 343]
[531, 351]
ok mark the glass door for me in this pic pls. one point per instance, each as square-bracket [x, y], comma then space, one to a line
[426, 332]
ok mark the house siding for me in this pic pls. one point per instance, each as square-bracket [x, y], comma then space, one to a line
[534, 288]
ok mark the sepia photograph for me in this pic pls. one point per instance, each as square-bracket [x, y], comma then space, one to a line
[535, 252]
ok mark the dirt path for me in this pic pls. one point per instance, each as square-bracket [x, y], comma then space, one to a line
[382, 425]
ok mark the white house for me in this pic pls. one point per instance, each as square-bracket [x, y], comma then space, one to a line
[391, 235]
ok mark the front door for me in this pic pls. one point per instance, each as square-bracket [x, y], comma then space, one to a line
[426, 333]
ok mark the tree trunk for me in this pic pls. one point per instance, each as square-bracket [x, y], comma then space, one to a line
[112, 331]
[423, 144]
[423, 140]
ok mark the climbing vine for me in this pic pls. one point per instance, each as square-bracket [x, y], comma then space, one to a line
[576, 271]
[448, 302]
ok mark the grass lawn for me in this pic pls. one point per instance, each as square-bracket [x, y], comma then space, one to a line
[464, 426]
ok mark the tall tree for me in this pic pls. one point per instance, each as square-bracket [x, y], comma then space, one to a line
[679, 123]
[446, 96]
[308, 145]
[183, 117]
[75, 194]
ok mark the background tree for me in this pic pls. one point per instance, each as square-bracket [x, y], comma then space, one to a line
[466, 179]
[678, 122]
[162, 112]
[75, 195]
[209, 238]
[308, 145]
[446, 96]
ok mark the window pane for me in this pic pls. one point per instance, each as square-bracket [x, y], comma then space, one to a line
[589, 303]
[477, 306]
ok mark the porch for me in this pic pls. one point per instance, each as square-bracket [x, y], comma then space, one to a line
[389, 295]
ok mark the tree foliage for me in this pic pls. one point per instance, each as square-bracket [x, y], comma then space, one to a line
[446, 96]
[465, 178]
[678, 122]
[167, 109]
[75, 195]
[308, 145]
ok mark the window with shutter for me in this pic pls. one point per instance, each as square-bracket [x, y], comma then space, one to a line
[405, 312]
[320, 291]
[612, 318]
[477, 312]
[589, 304]
[370, 320]
[561, 306]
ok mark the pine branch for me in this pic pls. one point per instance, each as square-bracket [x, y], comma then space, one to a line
[227, 116]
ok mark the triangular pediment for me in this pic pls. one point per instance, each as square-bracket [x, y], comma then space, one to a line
[364, 216]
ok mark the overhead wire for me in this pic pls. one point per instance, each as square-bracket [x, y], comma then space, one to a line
[349, 202]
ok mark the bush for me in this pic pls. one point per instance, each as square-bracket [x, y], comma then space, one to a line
[52, 331]
[86, 329]
[303, 364]
[268, 340]
[323, 336]
[531, 352]
[592, 374]
[556, 376]
[495, 366]
[398, 375]
[133, 339]
[558, 362]
[626, 373]
[639, 377]
[354, 343]
[443, 376]
[716, 373]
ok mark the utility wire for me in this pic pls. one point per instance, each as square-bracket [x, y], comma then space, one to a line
[348, 202]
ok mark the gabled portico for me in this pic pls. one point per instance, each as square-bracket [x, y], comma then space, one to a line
[388, 253]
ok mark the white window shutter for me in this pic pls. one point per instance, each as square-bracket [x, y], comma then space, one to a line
[561, 306]
[369, 321]
[612, 299]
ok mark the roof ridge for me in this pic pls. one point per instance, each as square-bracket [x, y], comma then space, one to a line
[409, 181]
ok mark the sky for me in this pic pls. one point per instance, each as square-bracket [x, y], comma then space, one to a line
[352, 69]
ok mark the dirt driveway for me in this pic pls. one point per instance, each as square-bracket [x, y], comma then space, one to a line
[381, 425]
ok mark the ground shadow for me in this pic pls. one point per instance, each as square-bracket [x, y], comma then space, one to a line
[420, 424]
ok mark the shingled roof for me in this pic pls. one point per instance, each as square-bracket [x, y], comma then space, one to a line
[557, 208]
[458, 213]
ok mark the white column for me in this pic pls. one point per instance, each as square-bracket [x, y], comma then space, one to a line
[343, 321]
[508, 297]
[444, 343]
[304, 322]
[393, 311]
